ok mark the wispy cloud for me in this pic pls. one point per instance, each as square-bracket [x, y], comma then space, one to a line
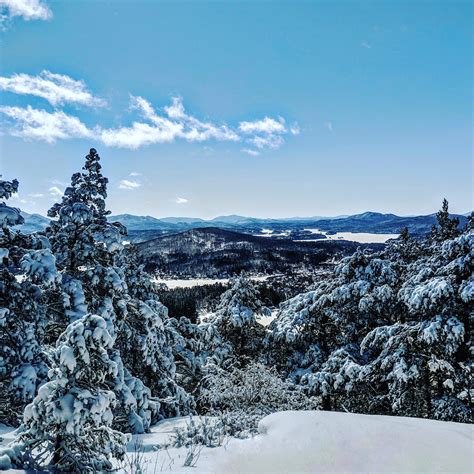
[135, 173]
[175, 124]
[250, 152]
[328, 125]
[38, 124]
[295, 129]
[171, 124]
[366, 45]
[57, 89]
[181, 200]
[129, 184]
[36, 195]
[267, 141]
[55, 191]
[267, 126]
[267, 133]
[27, 9]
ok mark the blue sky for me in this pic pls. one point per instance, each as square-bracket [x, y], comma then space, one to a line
[260, 108]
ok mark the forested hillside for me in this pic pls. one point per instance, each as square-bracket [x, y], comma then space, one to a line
[214, 252]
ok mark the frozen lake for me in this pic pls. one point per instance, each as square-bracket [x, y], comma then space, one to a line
[362, 237]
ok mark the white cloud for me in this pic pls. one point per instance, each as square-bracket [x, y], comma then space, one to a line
[329, 126]
[128, 184]
[36, 195]
[267, 125]
[55, 88]
[176, 109]
[177, 124]
[366, 45]
[295, 129]
[267, 133]
[139, 134]
[135, 173]
[144, 107]
[41, 125]
[267, 141]
[181, 200]
[174, 124]
[55, 191]
[250, 152]
[27, 9]
[196, 130]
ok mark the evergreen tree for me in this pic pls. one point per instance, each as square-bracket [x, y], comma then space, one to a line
[447, 227]
[388, 333]
[100, 276]
[197, 347]
[146, 337]
[236, 317]
[27, 273]
[87, 246]
[68, 425]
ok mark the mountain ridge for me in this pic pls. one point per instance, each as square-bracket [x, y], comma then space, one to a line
[369, 221]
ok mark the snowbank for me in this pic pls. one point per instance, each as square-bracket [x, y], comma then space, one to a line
[318, 441]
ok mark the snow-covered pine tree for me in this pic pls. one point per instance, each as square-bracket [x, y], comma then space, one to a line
[100, 276]
[236, 317]
[67, 427]
[27, 273]
[402, 324]
[87, 247]
[146, 338]
[197, 347]
[337, 313]
[447, 227]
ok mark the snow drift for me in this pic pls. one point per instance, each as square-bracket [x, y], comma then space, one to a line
[300, 442]
[318, 441]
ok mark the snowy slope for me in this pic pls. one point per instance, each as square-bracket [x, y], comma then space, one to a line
[318, 441]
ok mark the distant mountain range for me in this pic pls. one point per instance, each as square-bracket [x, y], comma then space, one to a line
[370, 222]
[144, 227]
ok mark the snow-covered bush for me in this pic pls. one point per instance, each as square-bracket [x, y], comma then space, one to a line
[67, 427]
[207, 431]
[242, 396]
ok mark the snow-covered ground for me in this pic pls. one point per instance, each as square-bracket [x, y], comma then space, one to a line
[171, 284]
[317, 442]
[314, 442]
[272, 233]
[362, 237]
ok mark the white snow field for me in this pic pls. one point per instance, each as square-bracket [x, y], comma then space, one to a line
[361, 237]
[298, 442]
[324, 442]
[189, 283]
